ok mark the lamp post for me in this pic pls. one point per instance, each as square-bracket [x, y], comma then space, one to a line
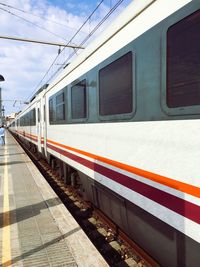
[1, 80]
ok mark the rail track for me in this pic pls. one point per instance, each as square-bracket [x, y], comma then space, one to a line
[113, 244]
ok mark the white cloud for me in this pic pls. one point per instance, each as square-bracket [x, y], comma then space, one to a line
[24, 64]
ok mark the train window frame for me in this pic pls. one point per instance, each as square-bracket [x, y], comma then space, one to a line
[112, 59]
[51, 116]
[27, 119]
[31, 115]
[171, 21]
[21, 121]
[73, 84]
[38, 112]
[60, 103]
[55, 104]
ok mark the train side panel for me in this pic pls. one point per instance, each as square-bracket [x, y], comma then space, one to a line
[134, 152]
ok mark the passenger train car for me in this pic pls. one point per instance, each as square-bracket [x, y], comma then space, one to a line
[123, 122]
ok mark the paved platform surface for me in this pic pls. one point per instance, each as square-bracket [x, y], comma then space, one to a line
[36, 230]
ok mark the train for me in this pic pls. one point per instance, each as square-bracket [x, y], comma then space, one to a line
[122, 122]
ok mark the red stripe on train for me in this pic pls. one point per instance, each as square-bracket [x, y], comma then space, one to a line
[178, 205]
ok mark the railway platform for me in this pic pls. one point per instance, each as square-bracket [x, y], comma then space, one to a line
[36, 230]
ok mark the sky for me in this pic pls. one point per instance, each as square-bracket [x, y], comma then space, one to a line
[25, 65]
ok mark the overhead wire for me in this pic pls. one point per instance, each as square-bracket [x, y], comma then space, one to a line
[30, 22]
[84, 41]
[97, 26]
[43, 18]
[88, 18]
[68, 42]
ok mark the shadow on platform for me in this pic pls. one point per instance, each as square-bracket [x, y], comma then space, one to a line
[20, 214]
[5, 155]
[11, 163]
[39, 248]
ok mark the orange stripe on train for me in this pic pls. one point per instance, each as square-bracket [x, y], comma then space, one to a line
[183, 187]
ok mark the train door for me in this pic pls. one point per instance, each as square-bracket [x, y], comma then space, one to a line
[39, 126]
[44, 129]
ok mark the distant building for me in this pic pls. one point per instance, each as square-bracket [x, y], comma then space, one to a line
[10, 117]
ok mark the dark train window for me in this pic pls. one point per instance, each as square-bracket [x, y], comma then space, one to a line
[27, 119]
[60, 98]
[38, 115]
[57, 108]
[115, 87]
[183, 62]
[21, 121]
[51, 111]
[60, 107]
[78, 100]
[60, 112]
[31, 118]
[34, 116]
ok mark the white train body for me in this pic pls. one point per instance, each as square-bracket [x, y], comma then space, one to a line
[141, 166]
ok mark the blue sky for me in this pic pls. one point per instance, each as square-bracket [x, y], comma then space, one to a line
[76, 6]
[24, 64]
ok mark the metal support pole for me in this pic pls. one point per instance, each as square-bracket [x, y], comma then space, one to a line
[40, 42]
[0, 108]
